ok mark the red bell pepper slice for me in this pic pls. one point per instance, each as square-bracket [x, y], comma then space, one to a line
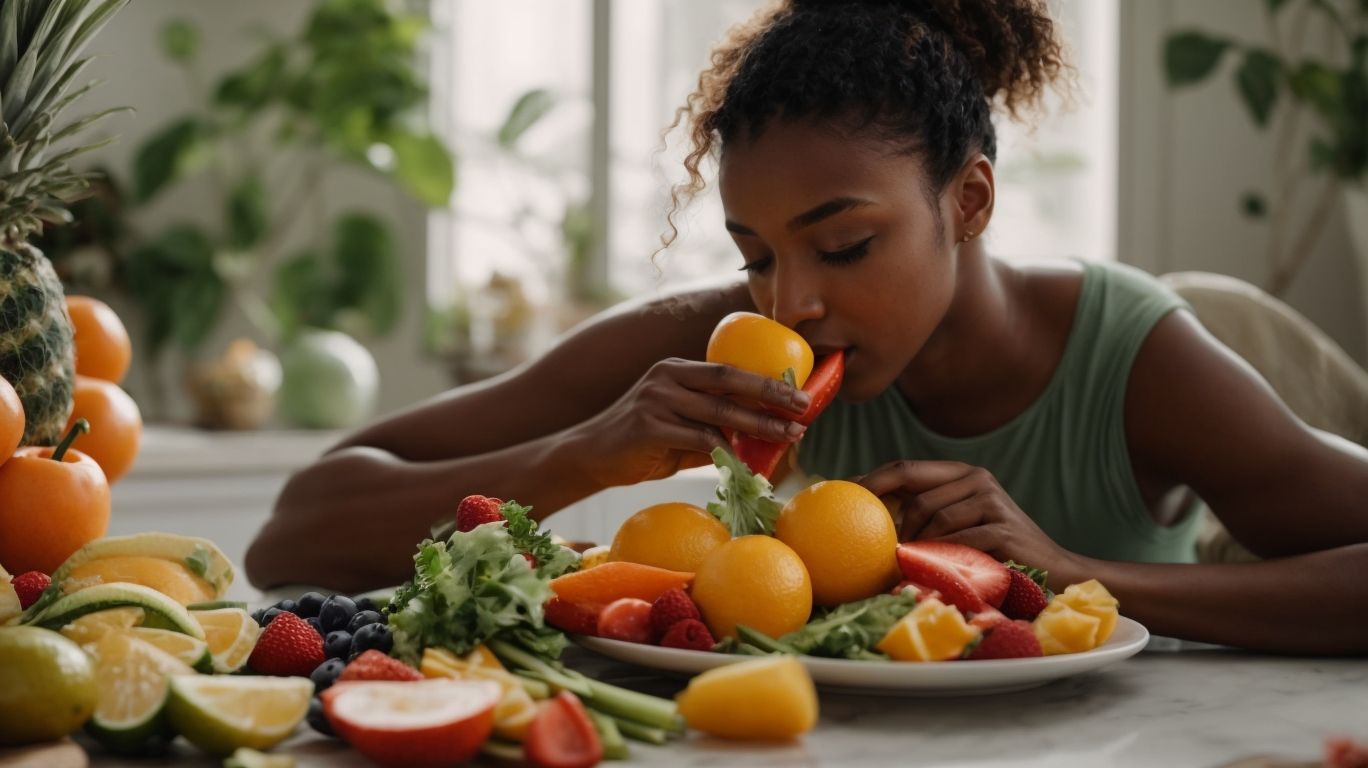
[762, 456]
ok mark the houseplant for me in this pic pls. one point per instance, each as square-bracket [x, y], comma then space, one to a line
[41, 42]
[1318, 108]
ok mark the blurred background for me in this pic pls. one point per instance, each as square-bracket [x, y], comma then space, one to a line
[325, 210]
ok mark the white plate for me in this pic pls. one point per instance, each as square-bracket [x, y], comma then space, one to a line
[901, 678]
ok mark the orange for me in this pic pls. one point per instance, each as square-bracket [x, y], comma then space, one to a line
[605, 583]
[933, 631]
[753, 580]
[169, 577]
[760, 345]
[846, 538]
[11, 419]
[103, 349]
[768, 699]
[49, 509]
[115, 425]
[673, 535]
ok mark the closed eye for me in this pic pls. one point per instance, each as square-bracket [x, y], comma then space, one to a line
[847, 255]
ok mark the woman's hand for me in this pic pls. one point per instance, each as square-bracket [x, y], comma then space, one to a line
[673, 417]
[956, 502]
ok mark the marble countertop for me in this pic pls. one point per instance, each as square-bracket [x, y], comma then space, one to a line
[1174, 708]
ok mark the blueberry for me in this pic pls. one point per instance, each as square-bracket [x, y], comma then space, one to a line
[288, 606]
[308, 604]
[318, 720]
[337, 644]
[372, 637]
[313, 622]
[325, 674]
[257, 615]
[362, 618]
[336, 612]
[366, 604]
[270, 614]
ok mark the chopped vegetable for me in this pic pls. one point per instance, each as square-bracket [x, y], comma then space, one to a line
[762, 456]
[745, 501]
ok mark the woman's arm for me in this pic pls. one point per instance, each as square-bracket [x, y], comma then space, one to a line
[351, 520]
[1199, 416]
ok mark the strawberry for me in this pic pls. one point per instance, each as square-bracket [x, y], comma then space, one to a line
[474, 511]
[575, 618]
[966, 578]
[30, 586]
[1025, 599]
[628, 619]
[288, 647]
[1007, 640]
[671, 607]
[374, 665]
[1341, 752]
[689, 634]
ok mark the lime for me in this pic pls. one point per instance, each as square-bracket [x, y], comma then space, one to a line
[47, 686]
[215, 604]
[133, 677]
[160, 611]
[193, 651]
[88, 629]
[220, 713]
[231, 634]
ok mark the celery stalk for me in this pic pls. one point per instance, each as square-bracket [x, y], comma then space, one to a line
[614, 748]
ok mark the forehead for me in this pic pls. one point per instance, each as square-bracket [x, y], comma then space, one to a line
[791, 167]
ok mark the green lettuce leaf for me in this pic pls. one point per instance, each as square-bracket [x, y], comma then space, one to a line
[851, 630]
[745, 501]
[552, 559]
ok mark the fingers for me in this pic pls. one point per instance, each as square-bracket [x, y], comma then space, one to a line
[726, 413]
[984, 538]
[699, 438]
[920, 509]
[908, 476]
[945, 520]
[734, 382]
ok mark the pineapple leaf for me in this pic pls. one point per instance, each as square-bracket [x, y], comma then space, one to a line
[87, 121]
[9, 37]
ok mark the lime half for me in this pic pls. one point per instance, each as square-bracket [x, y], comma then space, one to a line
[47, 686]
[221, 713]
[133, 677]
[159, 610]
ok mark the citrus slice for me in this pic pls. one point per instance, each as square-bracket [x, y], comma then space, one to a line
[191, 650]
[131, 676]
[91, 627]
[220, 713]
[161, 612]
[231, 634]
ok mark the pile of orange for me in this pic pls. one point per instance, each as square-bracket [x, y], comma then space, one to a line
[49, 509]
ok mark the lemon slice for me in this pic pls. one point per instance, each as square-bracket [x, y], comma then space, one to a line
[159, 610]
[192, 651]
[131, 676]
[221, 713]
[89, 628]
[231, 634]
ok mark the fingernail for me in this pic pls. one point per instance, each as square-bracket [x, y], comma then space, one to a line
[801, 398]
[795, 430]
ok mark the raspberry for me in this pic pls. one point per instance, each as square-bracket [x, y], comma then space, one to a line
[288, 647]
[374, 665]
[690, 635]
[474, 511]
[30, 586]
[668, 609]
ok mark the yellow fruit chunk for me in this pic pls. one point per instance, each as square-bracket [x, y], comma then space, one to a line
[231, 634]
[933, 631]
[1078, 619]
[166, 576]
[91, 627]
[674, 536]
[768, 699]
[846, 539]
[595, 556]
[753, 580]
[9, 599]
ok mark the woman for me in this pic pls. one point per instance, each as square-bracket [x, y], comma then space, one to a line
[856, 158]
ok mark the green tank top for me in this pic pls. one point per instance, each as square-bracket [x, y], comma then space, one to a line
[1064, 460]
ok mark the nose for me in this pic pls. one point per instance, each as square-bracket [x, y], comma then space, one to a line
[797, 295]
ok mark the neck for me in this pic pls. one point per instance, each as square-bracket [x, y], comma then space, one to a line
[976, 349]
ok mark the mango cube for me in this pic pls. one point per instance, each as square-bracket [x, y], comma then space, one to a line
[933, 631]
[1078, 619]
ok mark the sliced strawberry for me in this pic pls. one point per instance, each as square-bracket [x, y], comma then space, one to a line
[575, 618]
[562, 735]
[627, 619]
[965, 577]
[436, 722]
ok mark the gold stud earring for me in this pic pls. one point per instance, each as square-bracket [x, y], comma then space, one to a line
[968, 235]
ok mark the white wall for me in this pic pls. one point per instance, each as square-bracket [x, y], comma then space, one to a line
[1188, 156]
[136, 73]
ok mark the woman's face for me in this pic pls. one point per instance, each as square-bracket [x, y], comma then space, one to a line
[841, 244]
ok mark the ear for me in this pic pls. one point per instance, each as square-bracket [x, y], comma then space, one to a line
[973, 193]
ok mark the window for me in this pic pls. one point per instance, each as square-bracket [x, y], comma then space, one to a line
[1056, 193]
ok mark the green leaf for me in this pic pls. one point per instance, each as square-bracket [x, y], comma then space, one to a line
[530, 108]
[247, 214]
[1273, 6]
[301, 293]
[424, 167]
[745, 501]
[257, 83]
[1189, 57]
[1322, 154]
[1319, 86]
[173, 280]
[1257, 79]
[180, 40]
[1253, 205]
[368, 277]
[166, 157]
[853, 629]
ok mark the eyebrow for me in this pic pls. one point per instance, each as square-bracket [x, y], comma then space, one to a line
[808, 218]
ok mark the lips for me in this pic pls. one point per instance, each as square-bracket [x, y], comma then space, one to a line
[822, 350]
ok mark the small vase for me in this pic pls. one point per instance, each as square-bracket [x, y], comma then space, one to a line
[331, 381]
[237, 390]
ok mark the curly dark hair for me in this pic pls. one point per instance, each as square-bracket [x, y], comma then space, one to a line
[923, 75]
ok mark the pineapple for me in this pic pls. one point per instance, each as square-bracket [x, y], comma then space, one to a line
[40, 47]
